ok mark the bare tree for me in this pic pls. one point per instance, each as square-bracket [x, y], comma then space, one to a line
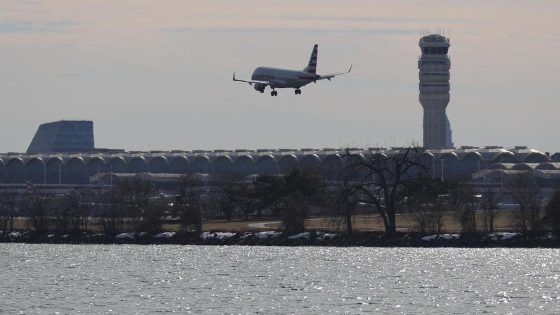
[61, 212]
[70, 213]
[36, 207]
[129, 201]
[153, 214]
[235, 196]
[300, 190]
[381, 181]
[296, 210]
[83, 202]
[113, 217]
[226, 197]
[462, 199]
[489, 203]
[8, 211]
[269, 191]
[426, 199]
[524, 190]
[345, 206]
[187, 202]
[136, 192]
[553, 214]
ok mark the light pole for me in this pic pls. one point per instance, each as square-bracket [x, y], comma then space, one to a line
[44, 173]
[441, 170]
[502, 172]
[44, 177]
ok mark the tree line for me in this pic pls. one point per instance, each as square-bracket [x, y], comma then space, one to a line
[378, 184]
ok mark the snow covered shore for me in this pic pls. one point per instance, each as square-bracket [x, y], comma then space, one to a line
[276, 238]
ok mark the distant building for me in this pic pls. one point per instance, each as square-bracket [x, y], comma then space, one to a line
[93, 167]
[434, 65]
[448, 134]
[63, 136]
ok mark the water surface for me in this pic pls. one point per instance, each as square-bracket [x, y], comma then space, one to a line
[130, 279]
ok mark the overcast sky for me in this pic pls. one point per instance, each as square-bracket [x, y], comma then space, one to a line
[157, 74]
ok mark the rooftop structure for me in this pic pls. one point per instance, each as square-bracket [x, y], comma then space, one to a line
[63, 136]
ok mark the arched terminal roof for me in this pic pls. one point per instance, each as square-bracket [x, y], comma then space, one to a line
[274, 161]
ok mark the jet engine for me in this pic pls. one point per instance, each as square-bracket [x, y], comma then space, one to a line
[260, 87]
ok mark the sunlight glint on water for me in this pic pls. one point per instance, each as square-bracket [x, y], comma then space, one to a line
[235, 279]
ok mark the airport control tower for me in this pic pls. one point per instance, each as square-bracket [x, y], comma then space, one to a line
[434, 65]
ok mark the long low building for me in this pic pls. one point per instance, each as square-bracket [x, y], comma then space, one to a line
[78, 167]
[63, 153]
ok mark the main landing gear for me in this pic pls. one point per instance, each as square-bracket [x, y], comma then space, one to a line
[274, 93]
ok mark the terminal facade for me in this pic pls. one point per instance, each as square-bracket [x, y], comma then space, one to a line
[89, 167]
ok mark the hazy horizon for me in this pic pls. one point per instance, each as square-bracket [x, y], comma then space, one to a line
[158, 77]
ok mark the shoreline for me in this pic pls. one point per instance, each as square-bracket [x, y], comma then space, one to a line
[364, 239]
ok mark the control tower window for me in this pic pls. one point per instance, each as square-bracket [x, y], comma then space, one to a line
[435, 62]
[435, 50]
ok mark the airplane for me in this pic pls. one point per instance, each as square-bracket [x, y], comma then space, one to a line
[281, 78]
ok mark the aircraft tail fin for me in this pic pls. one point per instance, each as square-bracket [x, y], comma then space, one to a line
[312, 66]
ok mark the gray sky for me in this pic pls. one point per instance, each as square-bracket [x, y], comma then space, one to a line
[157, 74]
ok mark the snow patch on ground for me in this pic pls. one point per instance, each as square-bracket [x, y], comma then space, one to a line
[267, 234]
[502, 236]
[304, 235]
[15, 235]
[164, 235]
[217, 235]
[327, 236]
[125, 236]
[430, 238]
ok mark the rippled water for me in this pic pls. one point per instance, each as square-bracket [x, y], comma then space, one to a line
[234, 279]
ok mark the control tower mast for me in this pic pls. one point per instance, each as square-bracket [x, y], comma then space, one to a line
[434, 65]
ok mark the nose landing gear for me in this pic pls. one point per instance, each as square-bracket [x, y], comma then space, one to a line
[273, 93]
[298, 91]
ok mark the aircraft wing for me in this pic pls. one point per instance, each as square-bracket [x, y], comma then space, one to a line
[251, 82]
[272, 84]
[332, 75]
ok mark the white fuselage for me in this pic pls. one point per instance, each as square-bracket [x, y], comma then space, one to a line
[283, 78]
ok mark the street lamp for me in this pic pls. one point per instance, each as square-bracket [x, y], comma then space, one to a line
[441, 170]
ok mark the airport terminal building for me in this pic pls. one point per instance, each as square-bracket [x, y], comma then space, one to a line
[69, 163]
